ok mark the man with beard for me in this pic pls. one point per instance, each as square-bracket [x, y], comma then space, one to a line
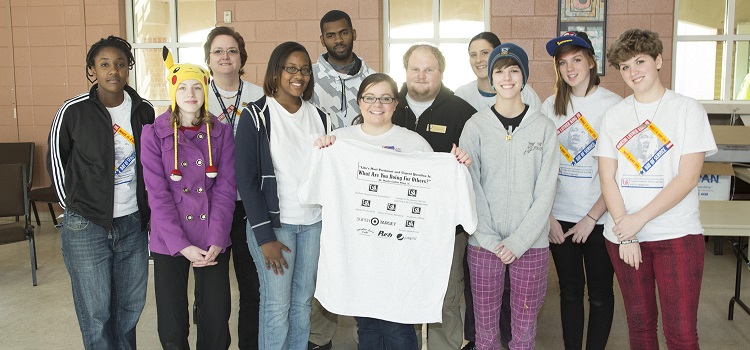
[433, 111]
[337, 74]
[338, 71]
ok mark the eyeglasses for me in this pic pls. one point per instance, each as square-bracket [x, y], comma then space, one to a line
[294, 70]
[230, 52]
[386, 100]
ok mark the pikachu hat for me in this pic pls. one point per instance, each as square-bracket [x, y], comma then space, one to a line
[179, 72]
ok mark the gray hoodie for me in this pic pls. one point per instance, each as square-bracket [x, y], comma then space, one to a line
[514, 180]
[336, 93]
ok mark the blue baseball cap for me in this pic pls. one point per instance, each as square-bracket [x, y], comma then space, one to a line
[570, 38]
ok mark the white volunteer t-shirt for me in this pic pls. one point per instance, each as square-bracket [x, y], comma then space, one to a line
[648, 158]
[398, 138]
[578, 178]
[125, 159]
[292, 138]
[469, 92]
[389, 224]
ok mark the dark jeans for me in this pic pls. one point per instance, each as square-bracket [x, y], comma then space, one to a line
[377, 334]
[170, 286]
[469, 324]
[580, 265]
[247, 282]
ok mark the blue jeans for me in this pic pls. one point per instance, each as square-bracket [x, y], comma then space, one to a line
[108, 270]
[285, 301]
[375, 334]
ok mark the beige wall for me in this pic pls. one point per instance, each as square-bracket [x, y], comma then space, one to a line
[43, 45]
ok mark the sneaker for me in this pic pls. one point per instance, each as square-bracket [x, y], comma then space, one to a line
[469, 346]
[313, 346]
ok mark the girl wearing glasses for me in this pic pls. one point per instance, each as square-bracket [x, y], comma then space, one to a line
[228, 94]
[273, 141]
[377, 102]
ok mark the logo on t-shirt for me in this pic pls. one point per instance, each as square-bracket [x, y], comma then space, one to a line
[366, 203]
[412, 193]
[410, 223]
[373, 188]
[391, 207]
[577, 138]
[416, 210]
[644, 146]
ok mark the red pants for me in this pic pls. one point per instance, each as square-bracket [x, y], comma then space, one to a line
[676, 267]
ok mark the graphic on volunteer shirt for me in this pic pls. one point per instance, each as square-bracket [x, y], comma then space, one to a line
[644, 146]
[577, 138]
[124, 155]
[392, 197]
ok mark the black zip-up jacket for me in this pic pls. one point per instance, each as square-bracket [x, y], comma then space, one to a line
[441, 124]
[81, 156]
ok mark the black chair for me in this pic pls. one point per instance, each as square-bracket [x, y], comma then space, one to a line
[19, 153]
[13, 185]
[44, 194]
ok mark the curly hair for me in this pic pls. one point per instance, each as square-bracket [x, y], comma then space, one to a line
[111, 41]
[633, 42]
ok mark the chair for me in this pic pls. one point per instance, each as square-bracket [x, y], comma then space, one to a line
[15, 202]
[44, 194]
[19, 153]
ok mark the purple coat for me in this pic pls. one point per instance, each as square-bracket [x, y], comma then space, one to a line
[196, 210]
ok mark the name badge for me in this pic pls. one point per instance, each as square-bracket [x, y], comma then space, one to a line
[437, 128]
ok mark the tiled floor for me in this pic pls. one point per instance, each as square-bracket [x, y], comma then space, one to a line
[43, 317]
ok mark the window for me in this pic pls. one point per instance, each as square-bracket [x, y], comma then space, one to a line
[181, 25]
[712, 51]
[448, 24]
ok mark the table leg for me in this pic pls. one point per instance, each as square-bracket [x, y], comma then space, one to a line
[738, 249]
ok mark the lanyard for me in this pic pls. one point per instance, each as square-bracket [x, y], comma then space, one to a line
[229, 117]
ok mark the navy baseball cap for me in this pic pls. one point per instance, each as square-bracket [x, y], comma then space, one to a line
[570, 38]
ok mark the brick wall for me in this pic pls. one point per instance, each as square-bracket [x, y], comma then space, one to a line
[48, 40]
[532, 23]
[43, 45]
[267, 23]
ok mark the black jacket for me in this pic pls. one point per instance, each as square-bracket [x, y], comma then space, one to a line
[441, 123]
[81, 156]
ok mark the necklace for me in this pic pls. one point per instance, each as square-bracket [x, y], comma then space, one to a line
[638, 120]
[509, 133]
[228, 97]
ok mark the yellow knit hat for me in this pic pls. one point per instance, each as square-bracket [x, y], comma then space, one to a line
[179, 72]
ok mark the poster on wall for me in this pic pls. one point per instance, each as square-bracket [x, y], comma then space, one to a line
[588, 16]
